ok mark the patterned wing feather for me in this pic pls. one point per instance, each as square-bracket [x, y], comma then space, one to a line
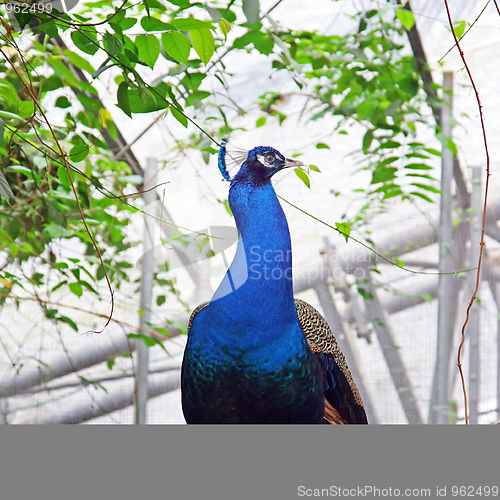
[343, 404]
[195, 312]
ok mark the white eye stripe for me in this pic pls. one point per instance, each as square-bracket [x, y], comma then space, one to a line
[268, 159]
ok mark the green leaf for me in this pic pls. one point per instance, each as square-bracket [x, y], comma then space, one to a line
[149, 48]
[63, 102]
[423, 196]
[432, 189]
[153, 24]
[251, 9]
[177, 46]
[447, 142]
[225, 27]
[418, 166]
[191, 23]
[180, 3]
[210, 150]
[8, 92]
[162, 331]
[179, 116]
[406, 17]
[193, 80]
[111, 362]
[63, 176]
[88, 286]
[261, 41]
[314, 168]
[389, 145]
[50, 313]
[48, 27]
[123, 98]
[344, 228]
[68, 321]
[182, 327]
[94, 383]
[20, 169]
[117, 29]
[366, 108]
[146, 100]
[396, 191]
[127, 22]
[204, 43]
[79, 61]
[228, 208]
[160, 300]
[112, 44]
[322, 145]
[149, 341]
[422, 176]
[459, 28]
[79, 152]
[303, 177]
[432, 151]
[5, 191]
[203, 243]
[88, 102]
[86, 41]
[11, 116]
[365, 293]
[2, 129]
[417, 155]
[76, 288]
[384, 175]
[387, 161]
[367, 140]
[427, 297]
[26, 108]
[400, 263]
[153, 4]
[261, 121]
[56, 231]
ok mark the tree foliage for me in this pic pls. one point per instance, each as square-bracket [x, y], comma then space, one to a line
[62, 182]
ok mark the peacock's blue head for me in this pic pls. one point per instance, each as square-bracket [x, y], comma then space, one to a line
[268, 160]
[262, 161]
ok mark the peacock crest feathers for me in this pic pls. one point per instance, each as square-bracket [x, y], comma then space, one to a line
[230, 159]
[266, 156]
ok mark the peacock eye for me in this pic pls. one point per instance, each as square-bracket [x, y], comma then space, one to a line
[270, 158]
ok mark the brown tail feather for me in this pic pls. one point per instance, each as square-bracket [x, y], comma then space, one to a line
[332, 416]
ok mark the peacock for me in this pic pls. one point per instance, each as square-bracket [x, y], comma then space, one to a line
[254, 354]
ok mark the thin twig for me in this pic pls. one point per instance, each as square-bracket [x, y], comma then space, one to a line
[371, 249]
[467, 31]
[483, 226]
[108, 378]
[44, 302]
[74, 24]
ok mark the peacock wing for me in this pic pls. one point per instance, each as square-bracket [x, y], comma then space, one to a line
[343, 404]
[195, 312]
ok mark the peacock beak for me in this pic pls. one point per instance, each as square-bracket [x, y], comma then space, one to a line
[292, 163]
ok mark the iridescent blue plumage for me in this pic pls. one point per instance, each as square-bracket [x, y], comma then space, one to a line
[247, 359]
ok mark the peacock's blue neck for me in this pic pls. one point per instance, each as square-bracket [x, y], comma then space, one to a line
[259, 281]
